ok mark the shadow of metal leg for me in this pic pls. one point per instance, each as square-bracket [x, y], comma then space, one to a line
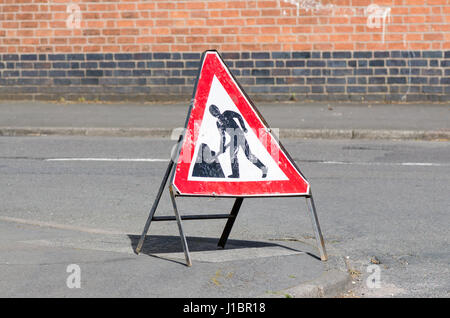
[155, 205]
[316, 226]
[180, 228]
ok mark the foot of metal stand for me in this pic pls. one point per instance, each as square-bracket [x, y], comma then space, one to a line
[316, 226]
[180, 228]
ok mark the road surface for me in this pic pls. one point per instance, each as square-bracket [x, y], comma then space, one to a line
[379, 202]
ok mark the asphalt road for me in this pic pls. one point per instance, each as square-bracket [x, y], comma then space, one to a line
[382, 200]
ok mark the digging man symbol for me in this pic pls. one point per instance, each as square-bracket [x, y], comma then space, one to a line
[227, 124]
[207, 164]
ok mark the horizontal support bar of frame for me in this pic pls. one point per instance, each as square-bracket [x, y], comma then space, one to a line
[193, 217]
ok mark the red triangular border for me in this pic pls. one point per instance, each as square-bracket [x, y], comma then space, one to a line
[296, 185]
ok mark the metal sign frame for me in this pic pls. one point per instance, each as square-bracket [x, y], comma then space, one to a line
[230, 222]
[231, 217]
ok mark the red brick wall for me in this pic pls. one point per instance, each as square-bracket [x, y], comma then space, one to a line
[357, 50]
[47, 26]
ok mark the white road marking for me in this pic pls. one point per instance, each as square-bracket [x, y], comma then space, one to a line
[423, 164]
[361, 163]
[109, 159]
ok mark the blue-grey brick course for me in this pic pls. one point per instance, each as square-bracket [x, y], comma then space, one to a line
[369, 75]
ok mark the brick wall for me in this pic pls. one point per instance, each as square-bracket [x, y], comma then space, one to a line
[383, 50]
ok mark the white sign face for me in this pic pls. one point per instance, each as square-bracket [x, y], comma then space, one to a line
[243, 156]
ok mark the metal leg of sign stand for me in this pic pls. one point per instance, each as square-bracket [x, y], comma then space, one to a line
[233, 214]
[231, 217]
[155, 205]
[316, 226]
[180, 228]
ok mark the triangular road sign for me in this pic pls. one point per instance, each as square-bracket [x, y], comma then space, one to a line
[228, 149]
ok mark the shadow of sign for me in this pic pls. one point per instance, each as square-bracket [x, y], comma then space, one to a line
[205, 249]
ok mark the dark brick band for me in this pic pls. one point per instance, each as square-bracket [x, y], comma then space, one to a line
[384, 76]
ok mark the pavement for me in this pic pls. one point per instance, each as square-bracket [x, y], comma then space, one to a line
[290, 120]
[40, 256]
[69, 213]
